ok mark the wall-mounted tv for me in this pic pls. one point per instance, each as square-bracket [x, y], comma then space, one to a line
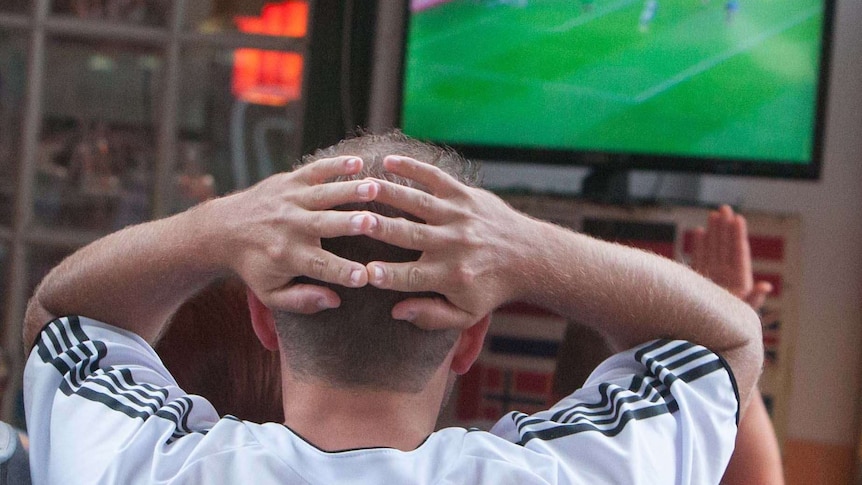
[714, 86]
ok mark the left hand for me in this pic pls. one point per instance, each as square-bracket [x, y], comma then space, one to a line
[474, 247]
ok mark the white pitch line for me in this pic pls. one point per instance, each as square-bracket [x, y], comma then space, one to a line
[461, 27]
[583, 19]
[711, 62]
[499, 78]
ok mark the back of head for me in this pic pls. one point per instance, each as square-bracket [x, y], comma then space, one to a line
[359, 345]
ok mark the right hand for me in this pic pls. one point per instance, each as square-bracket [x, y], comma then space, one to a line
[721, 253]
[273, 233]
[471, 243]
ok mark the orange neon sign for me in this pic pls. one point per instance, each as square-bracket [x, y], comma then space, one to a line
[270, 77]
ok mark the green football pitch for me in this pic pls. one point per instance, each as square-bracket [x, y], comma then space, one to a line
[587, 75]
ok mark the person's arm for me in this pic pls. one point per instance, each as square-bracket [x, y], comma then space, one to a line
[269, 234]
[721, 251]
[480, 253]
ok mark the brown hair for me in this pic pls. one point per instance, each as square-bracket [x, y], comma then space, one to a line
[359, 344]
[211, 350]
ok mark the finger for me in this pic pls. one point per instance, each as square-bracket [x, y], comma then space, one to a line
[740, 257]
[407, 234]
[727, 234]
[325, 266]
[432, 314]
[327, 224]
[712, 248]
[303, 298]
[438, 182]
[324, 169]
[409, 277]
[326, 196]
[698, 251]
[757, 297]
[421, 204]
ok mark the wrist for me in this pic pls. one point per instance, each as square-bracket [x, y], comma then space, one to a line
[533, 260]
[208, 240]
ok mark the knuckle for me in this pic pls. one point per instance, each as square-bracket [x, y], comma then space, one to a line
[468, 237]
[276, 251]
[415, 278]
[315, 224]
[317, 196]
[464, 275]
[318, 266]
[417, 235]
[424, 201]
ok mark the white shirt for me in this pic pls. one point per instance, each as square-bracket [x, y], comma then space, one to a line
[101, 408]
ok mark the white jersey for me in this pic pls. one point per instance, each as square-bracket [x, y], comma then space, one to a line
[101, 408]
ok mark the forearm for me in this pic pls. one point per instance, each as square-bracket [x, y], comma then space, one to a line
[756, 459]
[632, 296]
[134, 278]
[267, 235]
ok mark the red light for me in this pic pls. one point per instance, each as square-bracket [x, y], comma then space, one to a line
[270, 77]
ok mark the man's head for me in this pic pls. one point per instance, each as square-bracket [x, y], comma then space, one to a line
[359, 344]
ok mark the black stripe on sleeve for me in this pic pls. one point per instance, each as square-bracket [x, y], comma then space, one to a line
[674, 351]
[614, 409]
[580, 427]
[702, 370]
[641, 388]
[65, 345]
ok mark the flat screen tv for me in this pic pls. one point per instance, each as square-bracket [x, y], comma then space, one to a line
[712, 86]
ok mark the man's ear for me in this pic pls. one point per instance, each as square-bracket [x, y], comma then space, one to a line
[262, 321]
[469, 346]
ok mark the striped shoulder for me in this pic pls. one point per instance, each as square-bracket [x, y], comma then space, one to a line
[638, 398]
[670, 360]
[79, 359]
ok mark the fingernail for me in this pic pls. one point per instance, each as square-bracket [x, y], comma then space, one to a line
[324, 304]
[357, 221]
[378, 274]
[361, 222]
[364, 190]
[352, 163]
[407, 317]
[356, 276]
[394, 159]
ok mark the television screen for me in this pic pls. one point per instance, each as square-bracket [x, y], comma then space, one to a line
[720, 86]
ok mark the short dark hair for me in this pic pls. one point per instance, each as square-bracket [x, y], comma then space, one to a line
[359, 344]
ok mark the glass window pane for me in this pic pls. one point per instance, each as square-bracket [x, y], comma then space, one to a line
[236, 126]
[263, 17]
[98, 144]
[136, 12]
[15, 6]
[13, 83]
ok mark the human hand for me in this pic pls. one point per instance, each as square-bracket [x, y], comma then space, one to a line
[274, 230]
[471, 243]
[721, 253]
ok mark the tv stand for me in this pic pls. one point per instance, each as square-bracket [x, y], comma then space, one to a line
[607, 185]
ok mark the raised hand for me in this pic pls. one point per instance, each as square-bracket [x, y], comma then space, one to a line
[721, 253]
[470, 245]
[276, 227]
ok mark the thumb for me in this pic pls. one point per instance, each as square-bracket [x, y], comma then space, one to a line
[758, 294]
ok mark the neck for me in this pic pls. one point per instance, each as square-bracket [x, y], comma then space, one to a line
[334, 418]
